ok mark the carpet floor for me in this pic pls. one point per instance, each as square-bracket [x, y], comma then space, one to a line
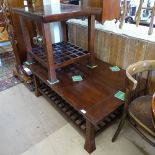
[7, 63]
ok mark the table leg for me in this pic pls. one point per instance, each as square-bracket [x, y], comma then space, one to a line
[27, 39]
[91, 40]
[46, 30]
[36, 83]
[90, 137]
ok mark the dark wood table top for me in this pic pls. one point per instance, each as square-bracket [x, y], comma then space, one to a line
[56, 12]
[94, 95]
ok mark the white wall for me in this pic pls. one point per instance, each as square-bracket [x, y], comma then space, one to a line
[55, 27]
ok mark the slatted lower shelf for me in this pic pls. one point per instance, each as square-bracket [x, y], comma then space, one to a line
[71, 113]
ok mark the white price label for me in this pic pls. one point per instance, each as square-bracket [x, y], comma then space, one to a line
[83, 111]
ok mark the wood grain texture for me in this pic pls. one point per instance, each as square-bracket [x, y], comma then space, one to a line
[72, 33]
[94, 108]
[49, 51]
[110, 8]
[82, 37]
[113, 48]
[130, 52]
[116, 49]
[121, 48]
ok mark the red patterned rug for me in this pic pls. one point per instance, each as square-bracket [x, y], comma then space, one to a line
[8, 82]
[7, 63]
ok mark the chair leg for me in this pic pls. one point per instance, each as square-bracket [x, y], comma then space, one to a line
[121, 124]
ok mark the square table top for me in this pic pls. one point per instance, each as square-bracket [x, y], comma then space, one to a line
[56, 12]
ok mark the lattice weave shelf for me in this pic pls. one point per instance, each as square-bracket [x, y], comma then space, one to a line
[63, 52]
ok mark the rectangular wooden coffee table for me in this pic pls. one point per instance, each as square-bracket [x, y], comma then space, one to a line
[90, 103]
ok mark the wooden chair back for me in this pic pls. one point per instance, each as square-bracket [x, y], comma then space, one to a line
[137, 102]
[139, 76]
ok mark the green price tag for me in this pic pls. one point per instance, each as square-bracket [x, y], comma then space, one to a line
[29, 62]
[77, 78]
[120, 95]
[115, 69]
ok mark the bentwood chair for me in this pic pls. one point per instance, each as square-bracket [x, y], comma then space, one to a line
[137, 107]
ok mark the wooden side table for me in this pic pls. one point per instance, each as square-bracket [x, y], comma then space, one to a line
[53, 56]
[90, 103]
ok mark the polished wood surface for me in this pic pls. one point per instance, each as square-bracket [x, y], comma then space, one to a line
[89, 97]
[63, 12]
[65, 108]
[16, 34]
[110, 8]
[63, 53]
[96, 91]
[93, 98]
[19, 48]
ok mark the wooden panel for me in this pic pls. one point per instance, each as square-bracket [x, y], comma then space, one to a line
[19, 47]
[121, 46]
[38, 3]
[96, 3]
[95, 42]
[107, 46]
[116, 49]
[110, 8]
[15, 3]
[82, 37]
[102, 45]
[113, 49]
[98, 86]
[150, 51]
[140, 50]
[130, 52]
[72, 33]
[99, 41]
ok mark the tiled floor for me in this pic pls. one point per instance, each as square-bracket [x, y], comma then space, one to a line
[31, 126]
